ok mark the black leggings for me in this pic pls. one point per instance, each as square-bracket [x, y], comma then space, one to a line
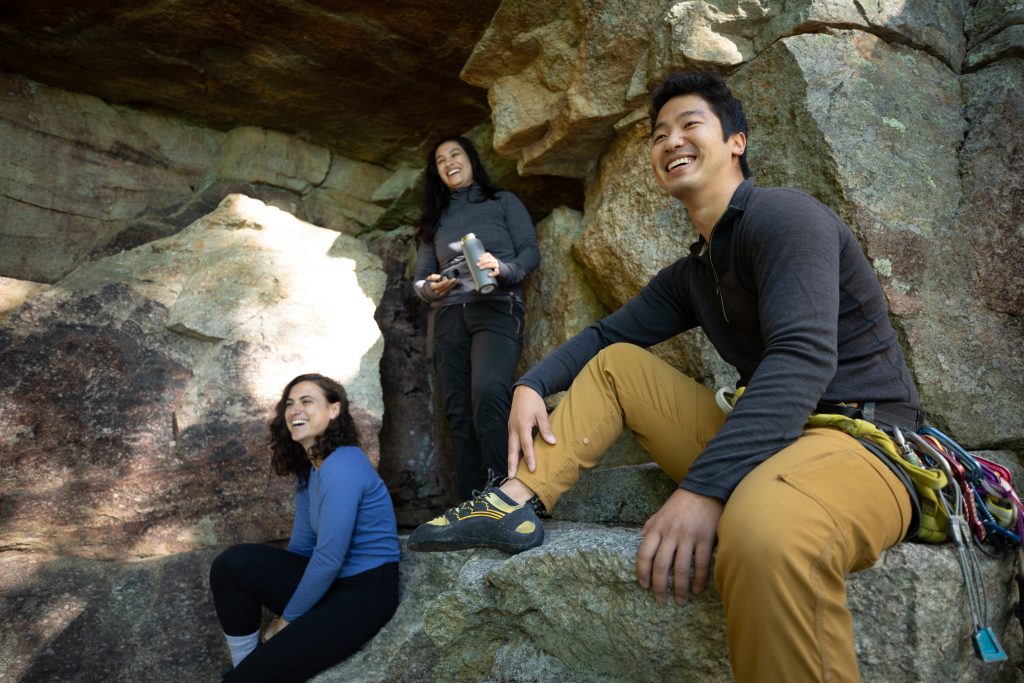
[243, 577]
[476, 348]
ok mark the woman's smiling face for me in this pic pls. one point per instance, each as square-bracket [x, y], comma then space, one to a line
[453, 165]
[307, 413]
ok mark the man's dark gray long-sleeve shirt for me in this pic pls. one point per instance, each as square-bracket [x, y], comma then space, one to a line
[787, 297]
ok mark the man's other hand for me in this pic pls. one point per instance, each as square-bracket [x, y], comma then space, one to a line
[528, 411]
[680, 533]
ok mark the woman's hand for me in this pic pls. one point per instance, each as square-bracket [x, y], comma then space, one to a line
[274, 627]
[488, 262]
[441, 286]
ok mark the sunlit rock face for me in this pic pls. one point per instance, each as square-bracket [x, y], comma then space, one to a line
[134, 394]
[557, 75]
[82, 179]
[13, 293]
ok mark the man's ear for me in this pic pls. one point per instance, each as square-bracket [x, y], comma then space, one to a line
[738, 142]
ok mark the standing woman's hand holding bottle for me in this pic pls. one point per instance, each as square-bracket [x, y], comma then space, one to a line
[488, 262]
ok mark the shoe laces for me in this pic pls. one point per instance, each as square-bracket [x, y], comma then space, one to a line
[477, 502]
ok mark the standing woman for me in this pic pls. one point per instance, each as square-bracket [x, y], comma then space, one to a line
[337, 583]
[475, 338]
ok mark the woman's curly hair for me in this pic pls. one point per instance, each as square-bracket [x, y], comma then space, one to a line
[288, 457]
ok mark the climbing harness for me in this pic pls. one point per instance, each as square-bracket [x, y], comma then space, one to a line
[964, 498]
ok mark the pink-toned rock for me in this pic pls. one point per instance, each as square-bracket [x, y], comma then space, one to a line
[557, 76]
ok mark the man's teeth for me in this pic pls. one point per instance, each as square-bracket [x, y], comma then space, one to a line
[679, 162]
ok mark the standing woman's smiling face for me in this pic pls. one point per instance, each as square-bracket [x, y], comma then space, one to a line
[453, 165]
[307, 413]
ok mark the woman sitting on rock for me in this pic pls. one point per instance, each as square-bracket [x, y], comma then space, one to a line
[337, 583]
[476, 336]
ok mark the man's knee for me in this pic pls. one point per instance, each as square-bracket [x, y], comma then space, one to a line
[620, 354]
[618, 360]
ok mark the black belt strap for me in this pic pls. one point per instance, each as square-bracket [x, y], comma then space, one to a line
[883, 414]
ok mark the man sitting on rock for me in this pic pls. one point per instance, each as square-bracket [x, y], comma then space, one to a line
[782, 289]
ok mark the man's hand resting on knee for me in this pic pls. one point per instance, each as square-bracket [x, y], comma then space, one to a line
[528, 411]
[681, 532]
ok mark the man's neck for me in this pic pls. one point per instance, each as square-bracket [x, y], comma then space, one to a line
[706, 207]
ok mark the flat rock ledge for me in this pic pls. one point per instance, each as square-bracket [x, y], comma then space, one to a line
[571, 610]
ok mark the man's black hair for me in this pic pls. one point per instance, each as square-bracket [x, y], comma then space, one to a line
[710, 87]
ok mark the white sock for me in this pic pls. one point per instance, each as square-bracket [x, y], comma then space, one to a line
[241, 646]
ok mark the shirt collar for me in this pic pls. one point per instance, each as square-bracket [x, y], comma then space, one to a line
[737, 205]
[466, 192]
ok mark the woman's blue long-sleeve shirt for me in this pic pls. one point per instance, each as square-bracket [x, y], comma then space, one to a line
[344, 522]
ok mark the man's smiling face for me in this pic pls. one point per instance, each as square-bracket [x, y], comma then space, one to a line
[688, 154]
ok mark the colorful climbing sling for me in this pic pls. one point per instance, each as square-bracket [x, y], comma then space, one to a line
[964, 498]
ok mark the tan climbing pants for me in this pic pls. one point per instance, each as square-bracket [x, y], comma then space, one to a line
[794, 527]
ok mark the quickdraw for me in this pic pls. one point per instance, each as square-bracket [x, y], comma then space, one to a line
[986, 644]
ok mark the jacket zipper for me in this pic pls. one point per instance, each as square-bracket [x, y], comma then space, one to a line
[714, 274]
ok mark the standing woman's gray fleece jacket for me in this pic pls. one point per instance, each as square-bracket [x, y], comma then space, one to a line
[504, 227]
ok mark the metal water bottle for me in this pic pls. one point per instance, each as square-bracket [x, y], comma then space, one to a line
[473, 249]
